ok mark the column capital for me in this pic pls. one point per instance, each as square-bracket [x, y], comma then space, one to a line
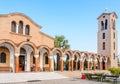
[95, 60]
[88, 60]
[100, 60]
[61, 58]
[50, 57]
[36, 56]
[72, 58]
[80, 59]
[17, 54]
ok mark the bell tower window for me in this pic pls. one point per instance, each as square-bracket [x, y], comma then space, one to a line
[103, 45]
[103, 35]
[102, 25]
[106, 23]
[114, 25]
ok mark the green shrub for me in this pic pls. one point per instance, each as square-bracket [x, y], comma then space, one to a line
[114, 71]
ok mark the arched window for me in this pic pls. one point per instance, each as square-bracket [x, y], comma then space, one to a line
[27, 30]
[13, 26]
[102, 25]
[46, 59]
[103, 45]
[20, 27]
[2, 57]
[106, 23]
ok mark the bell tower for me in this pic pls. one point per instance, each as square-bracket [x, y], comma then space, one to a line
[108, 37]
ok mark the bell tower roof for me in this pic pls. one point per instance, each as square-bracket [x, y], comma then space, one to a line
[107, 13]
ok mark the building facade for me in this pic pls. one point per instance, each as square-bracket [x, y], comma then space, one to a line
[23, 47]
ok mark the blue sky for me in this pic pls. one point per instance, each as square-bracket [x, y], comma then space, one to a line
[75, 19]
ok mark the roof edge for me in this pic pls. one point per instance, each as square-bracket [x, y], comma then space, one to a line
[21, 14]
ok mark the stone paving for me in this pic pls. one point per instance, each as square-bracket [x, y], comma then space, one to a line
[66, 77]
[62, 81]
[22, 77]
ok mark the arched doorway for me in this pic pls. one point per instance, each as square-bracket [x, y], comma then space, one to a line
[85, 62]
[26, 58]
[22, 59]
[57, 62]
[91, 62]
[44, 53]
[103, 62]
[66, 61]
[98, 64]
[75, 62]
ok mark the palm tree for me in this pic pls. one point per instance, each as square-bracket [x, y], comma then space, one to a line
[60, 42]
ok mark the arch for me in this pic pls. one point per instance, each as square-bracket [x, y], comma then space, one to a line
[77, 56]
[42, 50]
[45, 47]
[85, 58]
[92, 58]
[27, 43]
[20, 27]
[9, 42]
[13, 26]
[77, 52]
[69, 52]
[57, 55]
[10, 53]
[57, 49]
[98, 61]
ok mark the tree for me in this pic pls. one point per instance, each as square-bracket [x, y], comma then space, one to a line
[61, 42]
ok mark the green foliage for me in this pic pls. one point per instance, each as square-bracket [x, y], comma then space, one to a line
[61, 42]
[114, 71]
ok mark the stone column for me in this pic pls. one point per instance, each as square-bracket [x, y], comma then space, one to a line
[76, 65]
[61, 64]
[17, 62]
[88, 64]
[105, 65]
[27, 62]
[81, 65]
[41, 62]
[50, 63]
[23, 30]
[69, 65]
[100, 64]
[72, 64]
[36, 62]
[95, 61]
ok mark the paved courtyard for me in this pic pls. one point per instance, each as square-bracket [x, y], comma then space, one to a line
[45, 78]
[61, 81]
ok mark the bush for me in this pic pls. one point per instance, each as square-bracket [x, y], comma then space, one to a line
[114, 71]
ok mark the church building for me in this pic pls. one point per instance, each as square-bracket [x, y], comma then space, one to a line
[24, 48]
